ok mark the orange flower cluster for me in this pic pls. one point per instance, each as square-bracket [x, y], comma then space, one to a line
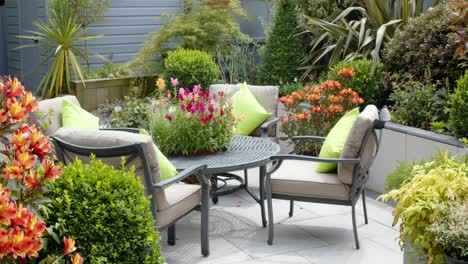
[22, 237]
[328, 97]
[18, 103]
[28, 146]
[347, 72]
[29, 166]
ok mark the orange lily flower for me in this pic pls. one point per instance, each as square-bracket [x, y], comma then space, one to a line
[76, 259]
[16, 88]
[16, 112]
[51, 171]
[13, 171]
[30, 102]
[69, 245]
[26, 159]
[39, 143]
[32, 180]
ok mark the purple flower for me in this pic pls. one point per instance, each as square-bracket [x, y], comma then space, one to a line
[174, 82]
[168, 117]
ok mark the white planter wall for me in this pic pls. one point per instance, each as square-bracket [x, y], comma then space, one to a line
[403, 143]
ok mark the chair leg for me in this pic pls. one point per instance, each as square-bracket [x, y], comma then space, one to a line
[356, 238]
[171, 235]
[214, 188]
[270, 211]
[291, 208]
[262, 194]
[364, 205]
[246, 179]
[205, 241]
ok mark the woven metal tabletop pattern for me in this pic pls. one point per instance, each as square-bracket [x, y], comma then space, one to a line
[243, 153]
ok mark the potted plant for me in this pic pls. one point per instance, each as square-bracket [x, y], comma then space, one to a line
[192, 122]
[421, 198]
[451, 232]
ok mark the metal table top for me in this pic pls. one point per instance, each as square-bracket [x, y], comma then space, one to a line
[243, 153]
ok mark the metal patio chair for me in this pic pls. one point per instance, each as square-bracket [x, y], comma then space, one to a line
[293, 176]
[170, 200]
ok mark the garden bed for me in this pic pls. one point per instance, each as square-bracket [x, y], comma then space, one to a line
[404, 143]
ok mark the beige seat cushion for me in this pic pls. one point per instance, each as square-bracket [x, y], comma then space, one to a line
[267, 97]
[180, 199]
[299, 178]
[54, 107]
[354, 142]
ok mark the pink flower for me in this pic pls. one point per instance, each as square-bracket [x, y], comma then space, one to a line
[197, 89]
[203, 120]
[181, 94]
[174, 82]
[168, 117]
[221, 94]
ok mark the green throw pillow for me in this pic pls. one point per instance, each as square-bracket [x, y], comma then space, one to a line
[166, 169]
[74, 116]
[335, 141]
[251, 112]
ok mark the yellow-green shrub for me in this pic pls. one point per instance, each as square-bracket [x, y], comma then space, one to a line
[421, 199]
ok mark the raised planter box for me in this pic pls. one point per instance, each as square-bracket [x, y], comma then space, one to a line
[403, 143]
[97, 91]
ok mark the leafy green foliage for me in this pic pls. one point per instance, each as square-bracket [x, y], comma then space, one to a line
[237, 63]
[324, 9]
[284, 49]
[358, 32]
[458, 105]
[191, 67]
[421, 199]
[87, 11]
[424, 46]
[134, 113]
[59, 38]
[289, 88]
[110, 71]
[106, 211]
[369, 87]
[416, 103]
[201, 26]
[403, 172]
[451, 230]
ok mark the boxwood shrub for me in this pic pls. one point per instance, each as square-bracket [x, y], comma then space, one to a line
[191, 67]
[105, 210]
[458, 105]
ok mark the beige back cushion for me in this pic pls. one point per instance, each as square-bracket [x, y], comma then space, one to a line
[103, 138]
[267, 97]
[354, 142]
[52, 109]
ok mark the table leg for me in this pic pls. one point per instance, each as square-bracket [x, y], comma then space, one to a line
[214, 188]
[262, 194]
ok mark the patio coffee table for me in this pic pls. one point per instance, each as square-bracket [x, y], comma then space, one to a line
[243, 153]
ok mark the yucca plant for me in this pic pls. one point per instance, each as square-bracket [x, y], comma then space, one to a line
[58, 40]
[345, 40]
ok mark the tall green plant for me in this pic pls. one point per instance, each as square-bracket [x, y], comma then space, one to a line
[202, 26]
[284, 49]
[58, 38]
[346, 38]
[87, 11]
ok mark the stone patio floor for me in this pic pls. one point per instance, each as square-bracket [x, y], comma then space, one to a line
[316, 233]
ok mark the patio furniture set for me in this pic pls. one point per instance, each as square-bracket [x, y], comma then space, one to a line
[172, 199]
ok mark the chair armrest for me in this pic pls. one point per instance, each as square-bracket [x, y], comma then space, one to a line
[265, 126]
[123, 129]
[313, 158]
[308, 138]
[182, 175]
